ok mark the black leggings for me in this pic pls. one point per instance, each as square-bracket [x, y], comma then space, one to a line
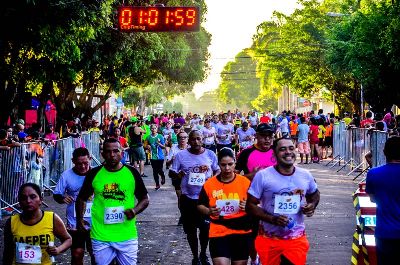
[157, 166]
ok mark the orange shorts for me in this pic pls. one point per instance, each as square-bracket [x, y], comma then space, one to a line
[270, 250]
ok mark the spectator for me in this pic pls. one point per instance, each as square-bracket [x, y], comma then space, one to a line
[383, 184]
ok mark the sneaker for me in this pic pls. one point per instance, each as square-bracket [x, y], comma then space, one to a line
[204, 260]
[157, 187]
[196, 262]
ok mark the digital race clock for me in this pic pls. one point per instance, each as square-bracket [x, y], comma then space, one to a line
[158, 18]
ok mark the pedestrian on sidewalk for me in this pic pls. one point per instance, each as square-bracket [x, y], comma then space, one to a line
[119, 195]
[285, 194]
[383, 185]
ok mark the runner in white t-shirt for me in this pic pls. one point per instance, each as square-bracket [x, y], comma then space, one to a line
[209, 136]
[194, 166]
[66, 191]
[286, 194]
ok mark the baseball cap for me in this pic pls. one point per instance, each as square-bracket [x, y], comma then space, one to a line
[21, 121]
[264, 128]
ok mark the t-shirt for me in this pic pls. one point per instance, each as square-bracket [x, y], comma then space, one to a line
[321, 131]
[226, 131]
[208, 135]
[251, 158]
[113, 192]
[196, 167]
[314, 133]
[173, 151]
[384, 183]
[265, 119]
[228, 193]
[293, 127]
[268, 185]
[156, 150]
[253, 120]
[245, 137]
[303, 130]
[284, 125]
[70, 184]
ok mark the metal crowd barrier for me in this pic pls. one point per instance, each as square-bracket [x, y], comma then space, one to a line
[41, 164]
[352, 144]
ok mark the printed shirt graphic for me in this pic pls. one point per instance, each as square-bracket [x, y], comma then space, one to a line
[156, 151]
[251, 158]
[187, 162]
[38, 234]
[70, 184]
[208, 135]
[269, 183]
[225, 130]
[113, 189]
[214, 189]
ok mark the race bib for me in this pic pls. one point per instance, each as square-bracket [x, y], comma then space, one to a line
[285, 204]
[197, 179]
[88, 211]
[228, 207]
[114, 215]
[26, 253]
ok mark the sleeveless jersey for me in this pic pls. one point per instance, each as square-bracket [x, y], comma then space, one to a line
[37, 234]
[114, 193]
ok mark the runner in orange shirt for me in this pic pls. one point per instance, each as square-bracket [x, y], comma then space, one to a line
[223, 198]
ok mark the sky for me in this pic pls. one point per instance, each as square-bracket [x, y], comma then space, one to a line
[232, 23]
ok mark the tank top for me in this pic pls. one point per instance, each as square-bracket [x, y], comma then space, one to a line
[114, 193]
[135, 139]
[39, 234]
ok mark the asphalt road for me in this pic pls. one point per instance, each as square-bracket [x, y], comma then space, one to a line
[161, 241]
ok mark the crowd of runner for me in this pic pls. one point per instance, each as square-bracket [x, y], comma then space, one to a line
[234, 175]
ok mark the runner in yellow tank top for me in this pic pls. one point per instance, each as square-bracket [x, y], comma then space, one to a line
[27, 236]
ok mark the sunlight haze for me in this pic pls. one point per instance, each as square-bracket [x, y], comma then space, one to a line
[232, 23]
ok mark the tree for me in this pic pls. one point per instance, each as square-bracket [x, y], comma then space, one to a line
[366, 44]
[239, 84]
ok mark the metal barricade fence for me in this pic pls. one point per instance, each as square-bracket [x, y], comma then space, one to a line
[352, 144]
[41, 164]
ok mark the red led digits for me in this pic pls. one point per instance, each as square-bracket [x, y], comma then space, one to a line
[179, 17]
[153, 17]
[191, 16]
[158, 19]
[125, 19]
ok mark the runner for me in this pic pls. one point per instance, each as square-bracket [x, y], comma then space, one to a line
[155, 144]
[66, 191]
[223, 198]
[286, 194]
[245, 136]
[176, 182]
[209, 136]
[28, 236]
[250, 161]
[115, 186]
[225, 132]
[136, 152]
[194, 166]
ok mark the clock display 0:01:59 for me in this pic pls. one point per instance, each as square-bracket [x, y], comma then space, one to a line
[158, 19]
